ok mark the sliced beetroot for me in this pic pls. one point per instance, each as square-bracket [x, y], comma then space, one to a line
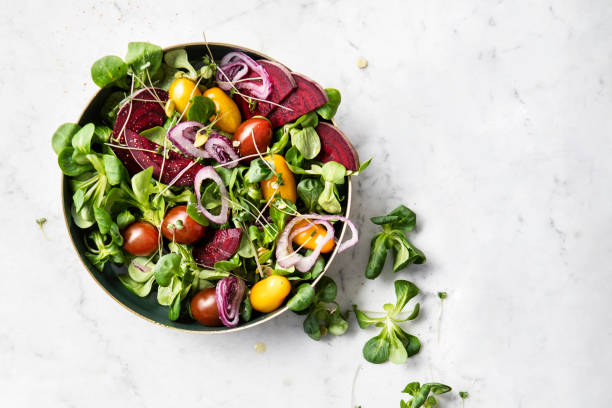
[282, 85]
[217, 245]
[335, 146]
[146, 112]
[307, 97]
[142, 151]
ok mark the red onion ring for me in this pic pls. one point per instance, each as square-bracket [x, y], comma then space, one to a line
[217, 147]
[209, 173]
[183, 136]
[234, 66]
[220, 148]
[287, 257]
[229, 293]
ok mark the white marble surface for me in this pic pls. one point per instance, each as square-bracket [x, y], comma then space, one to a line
[491, 119]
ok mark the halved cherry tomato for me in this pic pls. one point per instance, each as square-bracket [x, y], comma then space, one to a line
[227, 110]
[180, 227]
[253, 132]
[140, 238]
[271, 186]
[204, 309]
[311, 237]
[269, 293]
[181, 91]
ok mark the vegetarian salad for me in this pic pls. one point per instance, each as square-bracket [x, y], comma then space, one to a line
[220, 184]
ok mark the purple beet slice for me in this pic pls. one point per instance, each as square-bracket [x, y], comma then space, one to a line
[282, 85]
[217, 245]
[142, 151]
[335, 146]
[307, 97]
[146, 112]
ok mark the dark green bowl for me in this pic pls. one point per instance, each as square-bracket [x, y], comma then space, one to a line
[147, 307]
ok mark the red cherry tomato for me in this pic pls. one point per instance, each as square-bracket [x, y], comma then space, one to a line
[204, 307]
[259, 129]
[140, 238]
[181, 227]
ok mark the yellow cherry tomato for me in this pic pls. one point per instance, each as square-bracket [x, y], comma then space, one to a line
[272, 186]
[269, 293]
[311, 237]
[181, 91]
[227, 110]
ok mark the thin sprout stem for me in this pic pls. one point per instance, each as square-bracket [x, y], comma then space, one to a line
[174, 180]
[267, 203]
[260, 213]
[150, 89]
[295, 251]
[239, 80]
[131, 148]
[440, 320]
[260, 155]
[234, 161]
[250, 212]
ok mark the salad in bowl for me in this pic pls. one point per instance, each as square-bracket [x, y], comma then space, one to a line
[206, 186]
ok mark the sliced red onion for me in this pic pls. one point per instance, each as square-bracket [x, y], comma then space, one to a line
[209, 173]
[220, 148]
[229, 294]
[287, 257]
[234, 66]
[234, 70]
[183, 136]
[217, 146]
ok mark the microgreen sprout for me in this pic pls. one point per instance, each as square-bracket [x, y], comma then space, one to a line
[442, 296]
[463, 395]
[392, 343]
[41, 222]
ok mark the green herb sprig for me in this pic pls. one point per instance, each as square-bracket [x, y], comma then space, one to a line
[395, 227]
[392, 343]
[323, 313]
[421, 394]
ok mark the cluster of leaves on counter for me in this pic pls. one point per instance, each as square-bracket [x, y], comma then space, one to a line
[395, 226]
[322, 312]
[392, 343]
[423, 395]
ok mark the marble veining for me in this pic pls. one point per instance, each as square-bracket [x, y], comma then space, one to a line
[490, 119]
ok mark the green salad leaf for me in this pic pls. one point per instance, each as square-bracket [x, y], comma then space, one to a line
[392, 343]
[143, 56]
[201, 109]
[108, 71]
[179, 59]
[395, 225]
[421, 394]
[323, 313]
[259, 170]
[328, 111]
[306, 141]
[63, 136]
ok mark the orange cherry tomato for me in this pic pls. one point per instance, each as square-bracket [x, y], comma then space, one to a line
[271, 186]
[269, 293]
[181, 91]
[227, 110]
[311, 237]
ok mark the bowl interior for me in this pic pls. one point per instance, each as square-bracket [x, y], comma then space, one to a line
[147, 307]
